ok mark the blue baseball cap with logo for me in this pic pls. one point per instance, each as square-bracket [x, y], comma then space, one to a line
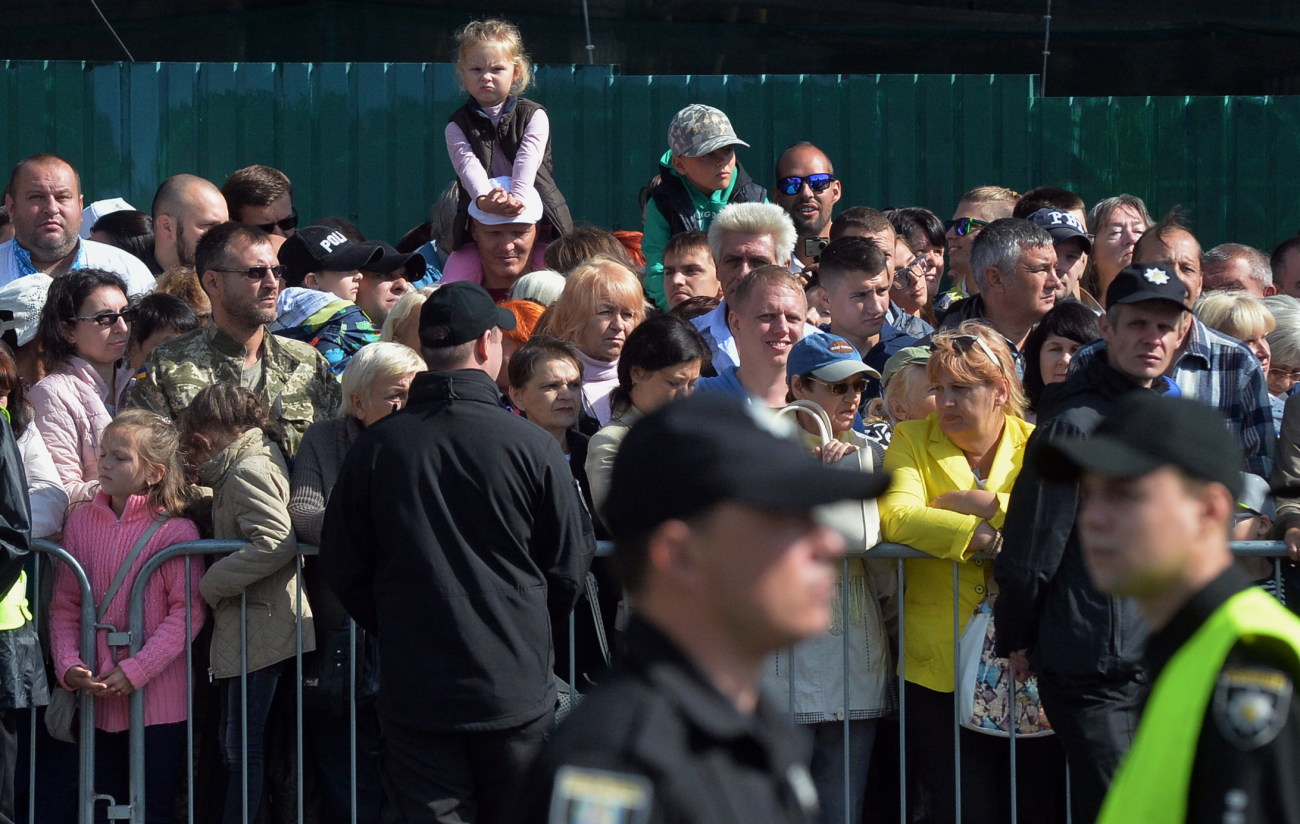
[827, 357]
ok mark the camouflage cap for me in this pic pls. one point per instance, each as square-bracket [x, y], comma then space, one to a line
[698, 129]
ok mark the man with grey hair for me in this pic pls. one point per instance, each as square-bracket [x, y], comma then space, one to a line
[1013, 263]
[185, 207]
[1236, 266]
[743, 237]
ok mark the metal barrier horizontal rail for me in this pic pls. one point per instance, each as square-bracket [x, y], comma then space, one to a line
[134, 812]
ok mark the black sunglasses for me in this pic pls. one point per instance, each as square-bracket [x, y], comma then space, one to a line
[817, 182]
[255, 272]
[110, 318]
[964, 225]
[284, 224]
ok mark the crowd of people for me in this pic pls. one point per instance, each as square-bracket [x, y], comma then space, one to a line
[444, 417]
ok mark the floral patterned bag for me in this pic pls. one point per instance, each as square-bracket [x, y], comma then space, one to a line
[983, 681]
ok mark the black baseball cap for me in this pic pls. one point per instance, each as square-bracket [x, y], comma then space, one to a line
[1147, 431]
[459, 312]
[323, 249]
[695, 453]
[392, 263]
[1146, 281]
[1062, 226]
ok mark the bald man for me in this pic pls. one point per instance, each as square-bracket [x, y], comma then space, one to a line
[184, 209]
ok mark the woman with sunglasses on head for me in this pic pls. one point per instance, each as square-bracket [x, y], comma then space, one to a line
[952, 476]
[825, 370]
[84, 329]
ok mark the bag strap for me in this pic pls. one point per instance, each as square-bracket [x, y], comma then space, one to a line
[818, 414]
[127, 563]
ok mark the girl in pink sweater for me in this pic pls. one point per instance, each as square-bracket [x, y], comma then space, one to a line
[140, 481]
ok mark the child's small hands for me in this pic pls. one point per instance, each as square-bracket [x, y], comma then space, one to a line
[79, 678]
[117, 683]
[499, 202]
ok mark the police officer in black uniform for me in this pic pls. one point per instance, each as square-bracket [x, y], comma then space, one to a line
[1219, 739]
[711, 507]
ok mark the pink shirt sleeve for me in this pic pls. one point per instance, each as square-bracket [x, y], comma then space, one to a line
[471, 173]
[169, 639]
[532, 148]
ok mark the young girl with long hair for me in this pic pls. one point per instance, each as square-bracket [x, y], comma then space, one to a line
[136, 514]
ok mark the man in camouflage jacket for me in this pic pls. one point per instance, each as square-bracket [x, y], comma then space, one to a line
[239, 272]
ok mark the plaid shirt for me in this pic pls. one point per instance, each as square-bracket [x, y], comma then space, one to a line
[1222, 372]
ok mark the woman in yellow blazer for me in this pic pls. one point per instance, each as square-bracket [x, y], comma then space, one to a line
[953, 472]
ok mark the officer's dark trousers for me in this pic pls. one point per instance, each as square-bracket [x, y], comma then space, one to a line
[1095, 721]
[454, 777]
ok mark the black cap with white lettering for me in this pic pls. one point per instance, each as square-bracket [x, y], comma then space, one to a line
[322, 249]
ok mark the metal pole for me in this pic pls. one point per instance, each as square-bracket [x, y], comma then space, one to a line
[1047, 46]
[590, 47]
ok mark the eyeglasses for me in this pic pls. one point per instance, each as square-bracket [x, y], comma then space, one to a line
[857, 386]
[284, 224]
[255, 272]
[963, 344]
[963, 226]
[904, 275]
[1292, 375]
[107, 319]
[817, 182]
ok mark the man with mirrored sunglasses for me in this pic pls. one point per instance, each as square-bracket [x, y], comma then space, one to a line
[977, 208]
[807, 189]
[239, 271]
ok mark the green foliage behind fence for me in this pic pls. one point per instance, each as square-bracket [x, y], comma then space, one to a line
[365, 140]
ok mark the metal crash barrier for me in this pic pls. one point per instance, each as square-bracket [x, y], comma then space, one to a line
[132, 808]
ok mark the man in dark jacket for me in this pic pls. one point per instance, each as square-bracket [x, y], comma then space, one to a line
[1085, 646]
[456, 535]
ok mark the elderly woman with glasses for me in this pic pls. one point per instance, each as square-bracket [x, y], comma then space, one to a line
[953, 472]
[826, 370]
[83, 334]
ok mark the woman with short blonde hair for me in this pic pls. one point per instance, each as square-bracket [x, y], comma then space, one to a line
[601, 304]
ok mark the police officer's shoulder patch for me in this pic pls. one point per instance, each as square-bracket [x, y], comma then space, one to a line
[1251, 705]
[586, 796]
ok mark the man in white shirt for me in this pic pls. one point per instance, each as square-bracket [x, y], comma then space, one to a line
[44, 202]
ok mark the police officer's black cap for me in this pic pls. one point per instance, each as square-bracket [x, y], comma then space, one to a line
[393, 263]
[708, 449]
[1146, 281]
[459, 312]
[1147, 431]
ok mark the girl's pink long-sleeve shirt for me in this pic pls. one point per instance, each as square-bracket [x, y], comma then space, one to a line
[100, 541]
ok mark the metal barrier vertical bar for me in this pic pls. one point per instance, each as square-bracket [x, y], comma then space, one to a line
[86, 704]
[902, 694]
[352, 720]
[243, 705]
[1011, 746]
[573, 663]
[848, 704]
[297, 657]
[956, 691]
[31, 710]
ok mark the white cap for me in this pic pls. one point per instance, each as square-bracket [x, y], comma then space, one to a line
[98, 209]
[24, 297]
[532, 207]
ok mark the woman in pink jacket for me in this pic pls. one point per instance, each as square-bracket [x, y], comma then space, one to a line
[83, 335]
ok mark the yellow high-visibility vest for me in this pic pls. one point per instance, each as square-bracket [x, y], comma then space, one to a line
[1153, 781]
[13, 607]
